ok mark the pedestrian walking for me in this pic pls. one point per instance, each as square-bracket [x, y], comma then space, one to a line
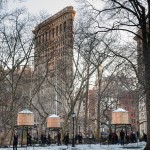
[42, 139]
[66, 138]
[15, 142]
[80, 138]
[29, 138]
[145, 137]
[114, 138]
[122, 135]
[58, 138]
[110, 138]
[49, 139]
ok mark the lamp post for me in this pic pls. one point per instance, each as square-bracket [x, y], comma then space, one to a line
[73, 139]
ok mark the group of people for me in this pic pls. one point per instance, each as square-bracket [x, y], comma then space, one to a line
[59, 139]
[113, 138]
[78, 138]
[15, 140]
[65, 140]
[45, 140]
[124, 137]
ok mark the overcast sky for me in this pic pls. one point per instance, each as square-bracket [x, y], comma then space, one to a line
[51, 6]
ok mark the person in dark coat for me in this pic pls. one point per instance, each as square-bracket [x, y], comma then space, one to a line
[15, 142]
[29, 137]
[122, 135]
[49, 140]
[144, 137]
[127, 138]
[114, 138]
[42, 139]
[66, 138]
[58, 138]
[76, 138]
[110, 138]
[80, 138]
[133, 137]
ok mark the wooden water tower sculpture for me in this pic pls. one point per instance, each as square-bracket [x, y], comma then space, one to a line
[53, 121]
[120, 118]
[25, 120]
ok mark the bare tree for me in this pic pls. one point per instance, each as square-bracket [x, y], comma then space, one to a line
[128, 16]
[16, 51]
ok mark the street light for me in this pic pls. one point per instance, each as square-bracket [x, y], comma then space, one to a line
[73, 139]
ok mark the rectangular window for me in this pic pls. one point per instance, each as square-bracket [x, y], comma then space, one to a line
[53, 32]
[57, 31]
[64, 26]
[49, 34]
[60, 29]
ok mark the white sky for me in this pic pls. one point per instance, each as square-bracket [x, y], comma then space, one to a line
[51, 6]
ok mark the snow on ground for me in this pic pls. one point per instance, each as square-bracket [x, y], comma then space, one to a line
[136, 146]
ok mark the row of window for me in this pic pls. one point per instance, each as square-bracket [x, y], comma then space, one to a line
[133, 120]
[133, 114]
[55, 31]
[51, 54]
[142, 108]
[61, 40]
[143, 115]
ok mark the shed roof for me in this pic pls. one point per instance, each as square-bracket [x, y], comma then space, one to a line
[53, 116]
[120, 110]
[25, 111]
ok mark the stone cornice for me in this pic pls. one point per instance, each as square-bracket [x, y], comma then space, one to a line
[68, 9]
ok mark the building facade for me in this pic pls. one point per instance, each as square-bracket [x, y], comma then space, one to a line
[128, 101]
[53, 63]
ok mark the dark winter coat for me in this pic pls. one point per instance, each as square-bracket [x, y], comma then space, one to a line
[66, 139]
[15, 142]
[122, 134]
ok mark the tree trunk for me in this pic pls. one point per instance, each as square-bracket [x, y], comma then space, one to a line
[147, 82]
[98, 105]
[86, 103]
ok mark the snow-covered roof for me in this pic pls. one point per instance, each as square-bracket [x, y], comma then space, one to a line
[25, 111]
[120, 110]
[53, 116]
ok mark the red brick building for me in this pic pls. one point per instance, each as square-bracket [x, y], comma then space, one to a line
[129, 102]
